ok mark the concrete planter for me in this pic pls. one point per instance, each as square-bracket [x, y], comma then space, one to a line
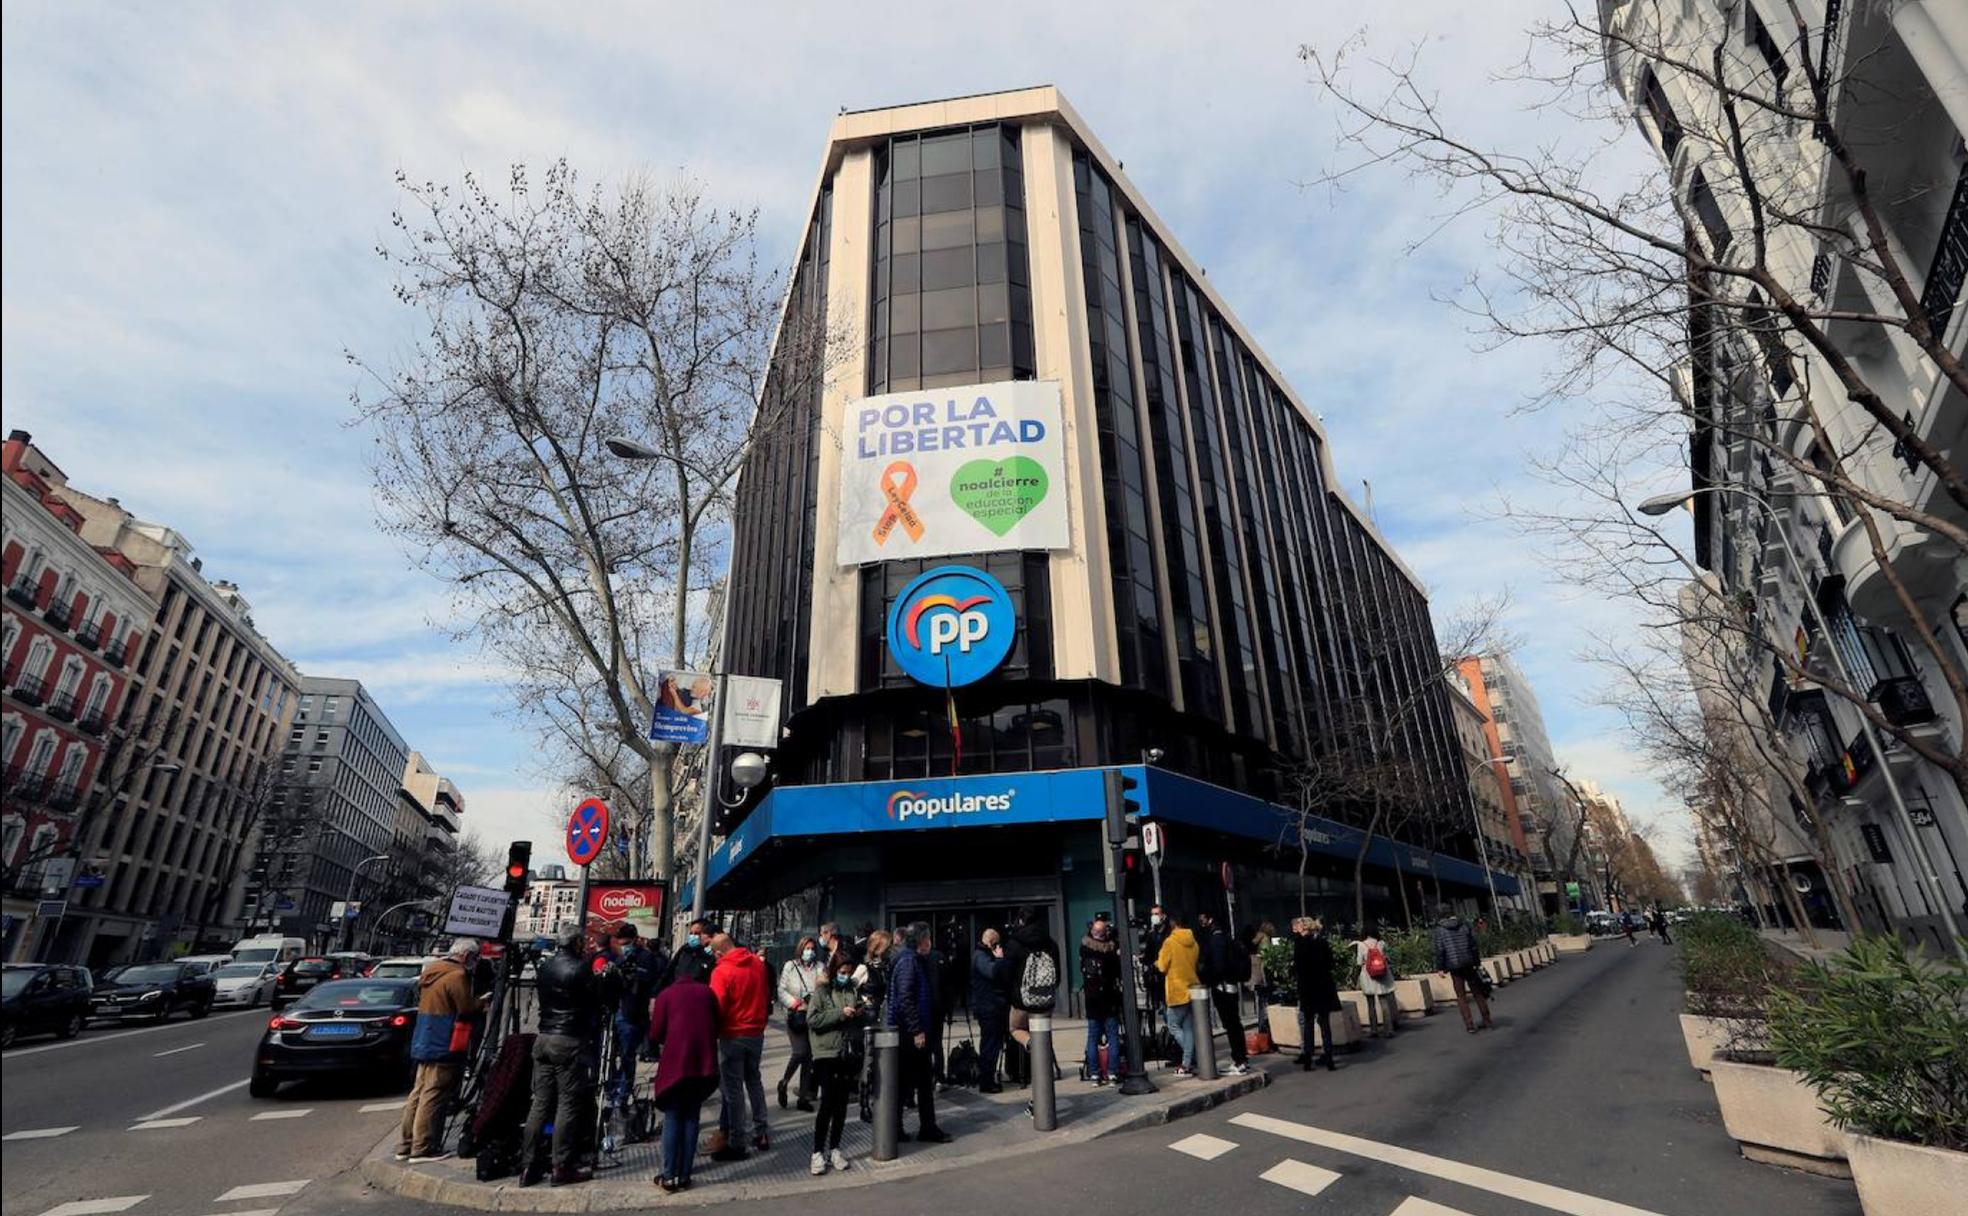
[1282, 1021]
[1440, 987]
[1356, 1004]
[1572, 943]
[1775, 1118]
[1524, 961]
[1899, 1179]
[1707, 1036]
[1413, 997]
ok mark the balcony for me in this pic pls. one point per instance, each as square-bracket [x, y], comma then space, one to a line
[30, 690]
[93, 722]
[59, 612]
[88, 635]
[1904, 701]
[25, 785]
[62, 705]
[25, 592]
[1949, 267]
[64, 796]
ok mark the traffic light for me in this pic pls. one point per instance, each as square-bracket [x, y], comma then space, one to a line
[1133, 873]
[519, 857]
[1119, 805]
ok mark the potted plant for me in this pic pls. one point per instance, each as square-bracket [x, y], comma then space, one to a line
[1569, 934]
[1281, 1015]
[1881, 1038]
[1725, 976]
[1412, 952]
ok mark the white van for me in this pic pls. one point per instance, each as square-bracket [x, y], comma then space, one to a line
[269, 948]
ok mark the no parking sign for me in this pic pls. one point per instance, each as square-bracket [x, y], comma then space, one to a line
[587, 831]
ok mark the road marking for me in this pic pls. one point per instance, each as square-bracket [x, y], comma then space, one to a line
[373, 1107]
[1413, 1205]
[39, 1133]
[158, 1055]
[302, 1113]
[96, 1207]
[151, 1125]
[251, 1212]
[97, 1040]
[188, 1103]
[1558, 1199]
[1207, 1148]
[1300, 1177]
[262, 1190]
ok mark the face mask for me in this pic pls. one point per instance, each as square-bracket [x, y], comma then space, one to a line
[843, 979]
[693, 940]
[1156, 918]
[806, 956]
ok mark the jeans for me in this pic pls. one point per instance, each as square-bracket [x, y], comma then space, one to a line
[991, 1031]
[1231, 1018]
[1111, 1027]
[919, 1077]
[559, 1079]
[680, 1126]
[1306, 1020]
[423, 1113]
[1381, 1008]
[628, 1040]
[1465, 985]
[739, 1081]
[801, 1061]
[1182, 1020]
[835, 1077]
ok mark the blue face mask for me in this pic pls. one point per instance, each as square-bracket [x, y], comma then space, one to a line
[693, 940]
[843, 979]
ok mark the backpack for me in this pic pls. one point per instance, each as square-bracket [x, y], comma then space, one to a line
[1376, 964]
[1038, 982]
[963, 1066]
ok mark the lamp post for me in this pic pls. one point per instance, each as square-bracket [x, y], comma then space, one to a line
[1661, 504]
[355, 876]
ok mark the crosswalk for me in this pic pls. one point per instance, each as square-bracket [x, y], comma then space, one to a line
[1308, 1179]
[226, 1204]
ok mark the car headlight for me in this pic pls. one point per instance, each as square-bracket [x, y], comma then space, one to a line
[150, 996]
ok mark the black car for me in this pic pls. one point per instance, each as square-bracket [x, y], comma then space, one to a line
[34, 999]
[300, 976]
[346, 1028]
[153, 990]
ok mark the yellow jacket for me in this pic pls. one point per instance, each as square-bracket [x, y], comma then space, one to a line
[1177, 963]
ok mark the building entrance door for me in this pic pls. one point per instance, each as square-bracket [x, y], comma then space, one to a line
[955, 931]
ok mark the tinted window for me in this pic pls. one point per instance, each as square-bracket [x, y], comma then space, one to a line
[344, 994]
[314, 966]
[158, 974]
[15, 981]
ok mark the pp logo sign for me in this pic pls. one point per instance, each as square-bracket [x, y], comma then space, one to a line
[951, 626]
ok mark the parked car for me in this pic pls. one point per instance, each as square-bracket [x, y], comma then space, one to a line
[269, 948]
[248, 984]
[354, 962]
[153, 990]
[205, 962]
[403, 967]
[299, 977]
[357, 1028]
[35, 999]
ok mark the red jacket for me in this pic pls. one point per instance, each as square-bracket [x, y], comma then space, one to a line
[743, 995]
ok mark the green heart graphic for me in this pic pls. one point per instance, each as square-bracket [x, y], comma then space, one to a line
[999, 493]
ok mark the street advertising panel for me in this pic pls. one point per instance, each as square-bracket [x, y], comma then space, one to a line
[476, 912]
[934, 472]
[639, 903]
[684, 701]
[751, 711]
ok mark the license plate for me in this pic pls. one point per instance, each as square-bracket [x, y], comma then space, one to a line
[341, 1030]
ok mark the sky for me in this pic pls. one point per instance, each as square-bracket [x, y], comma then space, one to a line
[193, 196]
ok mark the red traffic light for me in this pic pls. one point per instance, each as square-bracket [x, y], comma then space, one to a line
[515, 871]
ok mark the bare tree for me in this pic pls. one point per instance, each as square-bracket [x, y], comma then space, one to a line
[559, 318]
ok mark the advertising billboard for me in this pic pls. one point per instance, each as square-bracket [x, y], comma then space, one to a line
[636, 903]
[751, 711]
[683, 707]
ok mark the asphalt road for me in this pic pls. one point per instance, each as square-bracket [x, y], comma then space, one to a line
[1581, 1101]
[159, 1116]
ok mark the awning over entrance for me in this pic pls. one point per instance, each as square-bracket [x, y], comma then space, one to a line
[956, 803]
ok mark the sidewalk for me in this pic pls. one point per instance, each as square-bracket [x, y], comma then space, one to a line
[986, 1127]
[1831, 942]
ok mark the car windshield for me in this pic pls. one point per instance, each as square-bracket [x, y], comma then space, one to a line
[14, 982]
[235, 971]
[398, 970]
[314, 966]
[259, 954]
[348, 994]
[161, 974]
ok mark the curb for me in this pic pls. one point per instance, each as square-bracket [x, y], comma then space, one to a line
[379, 1169]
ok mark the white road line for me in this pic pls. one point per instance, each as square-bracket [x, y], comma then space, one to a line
[1558, 1199]
[302, 1113]
[251, 1212]
[97, 1040]
[1300, 1177]
[158, 1055]
[152, 1125]
[262, 1190]
[1413, 1205]
[96, 1207]
[39, 1133]
[373, 1107]
[1208, 1148]
[188, 1103]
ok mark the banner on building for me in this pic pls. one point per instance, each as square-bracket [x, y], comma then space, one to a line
[751, 711]
[684, 701]
[934, 472]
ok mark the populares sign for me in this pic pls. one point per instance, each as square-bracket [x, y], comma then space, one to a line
[976, 469]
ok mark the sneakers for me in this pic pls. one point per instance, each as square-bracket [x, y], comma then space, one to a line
[421, 1158]
[1101, 1082]
[1183, 1070]
[840, 1160]
[402, 1154]
[1237, 1070]
[818, 1165]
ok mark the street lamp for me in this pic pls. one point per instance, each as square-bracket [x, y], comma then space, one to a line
[1661, 504]
[348, 922]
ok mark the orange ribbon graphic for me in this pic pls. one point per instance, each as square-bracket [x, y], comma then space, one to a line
[898, 482]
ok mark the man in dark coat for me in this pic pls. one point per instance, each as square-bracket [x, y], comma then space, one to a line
[1100, 990]
[1225, 967]
[1318, 991]
[1456, 952]
[1151, 949]
[990, 1006]
[912, 1007]
[570, 1008]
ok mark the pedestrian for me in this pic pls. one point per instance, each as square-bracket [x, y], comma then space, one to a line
[1031, 972]
[1457, 954]
[637, 974]
[1657, 925]
[568, 1001]
[744, 998]
[1177, 963]
[1318, 991]
[833, 1020]
[797, 979]
[833, 941]
[1151, 949]
[990, 1006]
[1260, 983]
[1627, 927]
[683, 1027]
[871, 981]
[912, 1010]
[1225, 967]
[1376, 982]
[694, 956]
[1100, 994]
[446, 1008]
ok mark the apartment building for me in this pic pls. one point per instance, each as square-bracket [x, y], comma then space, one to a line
[1496, 811]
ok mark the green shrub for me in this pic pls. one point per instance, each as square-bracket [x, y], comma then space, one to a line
[1569, 923]
[1412, 951]
[1726, 968]
[1883, 1039]
[1284, 982]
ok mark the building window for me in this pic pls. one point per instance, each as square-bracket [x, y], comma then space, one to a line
[1701, 200]
[1667, 128]
[1758, 36]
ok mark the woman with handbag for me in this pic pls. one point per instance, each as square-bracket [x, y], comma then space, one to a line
[797, 980]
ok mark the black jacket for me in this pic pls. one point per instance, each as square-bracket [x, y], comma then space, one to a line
[1225, 958]
[1455, 945]
[987, 985]
[1021, 942]
[568, 995]
[638, 976]
[1312, 970]
[693, 961]
[1100, 977]
[1151, 947]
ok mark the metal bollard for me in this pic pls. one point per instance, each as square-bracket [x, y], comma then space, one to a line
[888, 1093]
[1045, 1111]
[1205, 1019]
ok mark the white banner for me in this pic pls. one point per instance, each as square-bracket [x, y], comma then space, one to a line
[975, 469]
[476, 912]
[751, 711]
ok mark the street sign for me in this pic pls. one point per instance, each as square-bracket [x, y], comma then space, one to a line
[1151, 840]
[1875, 842]
[476, 912]
[84, 882]
[587, 831]
[50, 909]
